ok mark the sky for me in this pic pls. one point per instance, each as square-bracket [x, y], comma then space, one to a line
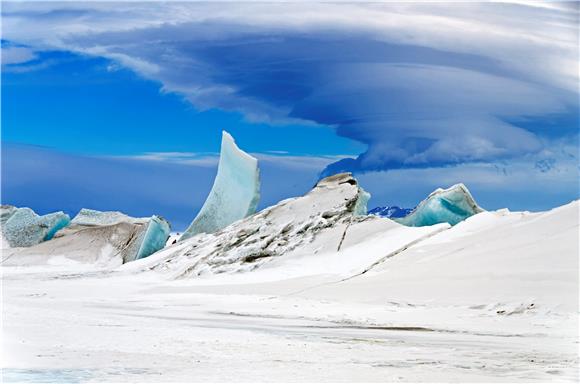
[120, 106]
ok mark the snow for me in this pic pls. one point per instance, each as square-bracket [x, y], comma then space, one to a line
[450, 205]
[22, 227]
[235, 192]
[339, 297]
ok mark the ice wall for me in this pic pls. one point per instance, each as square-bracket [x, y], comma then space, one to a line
[451, 205]
[235, 192]
[21, 227]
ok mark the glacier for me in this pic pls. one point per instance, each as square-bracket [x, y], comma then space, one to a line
[235, 192]
[22, 227]
[154, 237]
[451, 205]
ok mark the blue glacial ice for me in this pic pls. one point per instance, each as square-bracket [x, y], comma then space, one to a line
[155, 237]
[21, 227]
[235, 192]
[451, 205]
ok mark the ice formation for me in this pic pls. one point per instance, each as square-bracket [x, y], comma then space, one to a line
[100, 238]
[155, 237]
[451, 205]
[315, 222]
[22, 227]
[148, 235]
[235, 192]
[94, 217]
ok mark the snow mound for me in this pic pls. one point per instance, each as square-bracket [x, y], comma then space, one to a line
[235, 192]
[451, 205]
[317, 220]
[22, 227]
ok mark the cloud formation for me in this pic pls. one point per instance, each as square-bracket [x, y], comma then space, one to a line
[421, 84]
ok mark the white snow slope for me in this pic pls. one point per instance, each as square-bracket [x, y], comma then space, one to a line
[494, 299]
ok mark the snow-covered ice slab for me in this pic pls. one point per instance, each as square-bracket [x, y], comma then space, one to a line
[93, 217]
[235, 192]
[106, 239]
[22, 227]
[451, 205]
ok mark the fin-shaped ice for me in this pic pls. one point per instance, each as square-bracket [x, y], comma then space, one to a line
[451, 205]
[235, 192]
[154, 237]
[22, 227]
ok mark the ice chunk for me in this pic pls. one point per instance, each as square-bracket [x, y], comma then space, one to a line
[154, 237]
[21, 227]
[146, 236]
[451, 205]
[235, 192]
[93, 217]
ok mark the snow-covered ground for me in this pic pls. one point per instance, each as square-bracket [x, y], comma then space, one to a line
[494, 298]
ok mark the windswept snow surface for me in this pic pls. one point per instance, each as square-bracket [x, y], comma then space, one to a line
[451, 205]
[493, 298]
[235, 192]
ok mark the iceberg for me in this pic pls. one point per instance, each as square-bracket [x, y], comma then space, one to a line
[451, 205]
[154, 237]
[106, 239]
[22, 227]
[235, 192]
[147, 234]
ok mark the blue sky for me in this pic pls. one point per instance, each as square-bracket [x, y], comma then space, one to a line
[121, 105]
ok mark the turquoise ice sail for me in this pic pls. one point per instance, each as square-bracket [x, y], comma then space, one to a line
[235, 192]
[21, 227]
[155, 237]
[451, 205]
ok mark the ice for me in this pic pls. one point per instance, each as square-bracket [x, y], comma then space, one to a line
[235, 192]
[451, 205]
[154, 237]
[321, 222]
[22, 227]
[103, 239]
[94, 217]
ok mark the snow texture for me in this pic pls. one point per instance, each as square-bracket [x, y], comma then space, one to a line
[491, 299]
[235, 192]
[22, 227]
[451, 205]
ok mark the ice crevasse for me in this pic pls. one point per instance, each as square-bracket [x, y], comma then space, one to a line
[235, 192]
[451, 205]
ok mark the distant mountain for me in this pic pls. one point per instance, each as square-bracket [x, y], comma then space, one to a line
[392, 211]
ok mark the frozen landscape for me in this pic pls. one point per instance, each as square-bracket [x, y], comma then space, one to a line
[309, 289]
